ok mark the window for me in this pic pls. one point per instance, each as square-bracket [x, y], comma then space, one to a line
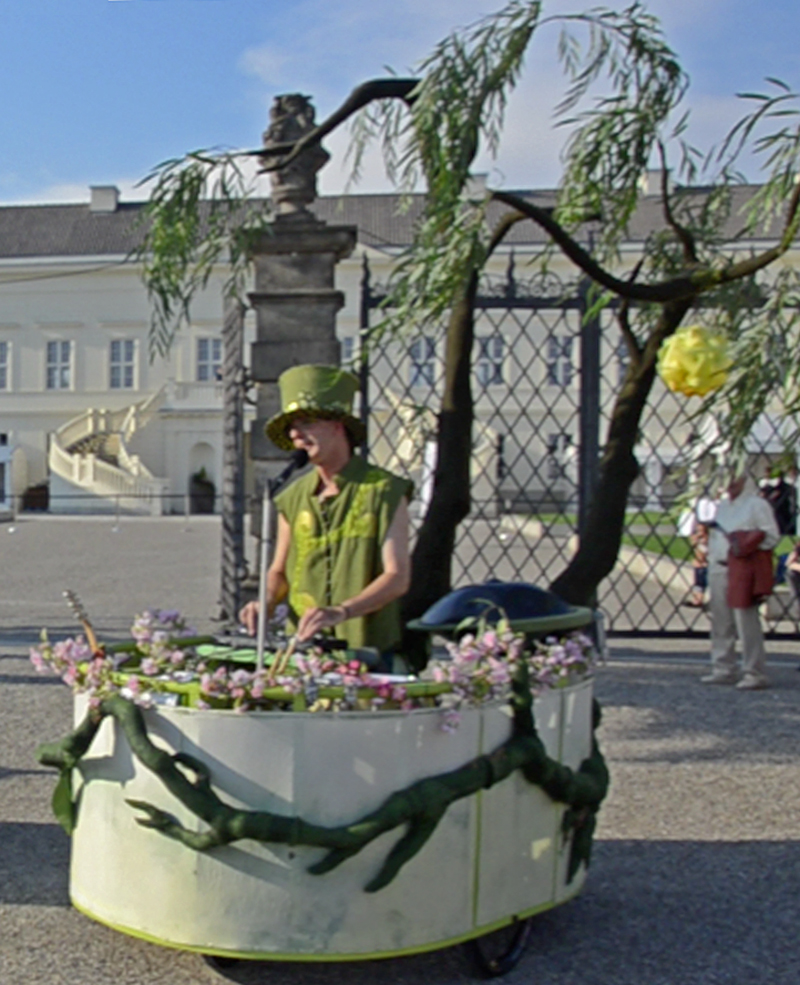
[491, 352]
[209, 360]
[423, 362]
[3, 365]
[123, 354]
[59, 370]
[559, 360]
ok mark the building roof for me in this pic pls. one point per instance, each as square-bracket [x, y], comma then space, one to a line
[384, 222]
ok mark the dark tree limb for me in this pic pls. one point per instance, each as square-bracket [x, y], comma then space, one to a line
[684, 235]
[360, 97]
[687, 285]
[419, 807]
[451, 500]
[599, 543]
[623, 320]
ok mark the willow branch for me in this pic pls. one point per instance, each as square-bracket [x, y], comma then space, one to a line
[683, 234]
[623, 320]
[501, 230]
[687, 285]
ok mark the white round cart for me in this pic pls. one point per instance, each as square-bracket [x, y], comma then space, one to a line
[496, 858]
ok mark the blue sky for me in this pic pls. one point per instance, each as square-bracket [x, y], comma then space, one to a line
[98, 91]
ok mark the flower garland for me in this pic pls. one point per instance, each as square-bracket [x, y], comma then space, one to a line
[480, 666]
[157, 669]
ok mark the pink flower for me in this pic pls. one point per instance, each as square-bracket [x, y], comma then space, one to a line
[70, 676]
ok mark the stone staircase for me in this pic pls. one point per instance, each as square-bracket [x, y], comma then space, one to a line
[91, 469]
[99, 445]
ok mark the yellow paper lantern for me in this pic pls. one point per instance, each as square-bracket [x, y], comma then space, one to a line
[694, 361]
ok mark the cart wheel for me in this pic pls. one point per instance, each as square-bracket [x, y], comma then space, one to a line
[219, 962]
[497, 953]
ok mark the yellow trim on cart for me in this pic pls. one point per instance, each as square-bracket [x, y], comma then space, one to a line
[360, 956]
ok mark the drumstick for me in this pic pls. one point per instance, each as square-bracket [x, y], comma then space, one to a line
[81, 615]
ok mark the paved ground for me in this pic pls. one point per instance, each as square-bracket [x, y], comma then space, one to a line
[697, 863]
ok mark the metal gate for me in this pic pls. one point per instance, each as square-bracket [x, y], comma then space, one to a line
[544, 380]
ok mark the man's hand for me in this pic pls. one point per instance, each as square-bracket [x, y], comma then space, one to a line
[318, 618]
[248, 617]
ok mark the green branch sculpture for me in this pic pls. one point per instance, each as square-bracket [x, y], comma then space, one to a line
[419, 807]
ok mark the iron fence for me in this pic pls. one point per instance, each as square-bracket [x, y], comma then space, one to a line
[544, 380]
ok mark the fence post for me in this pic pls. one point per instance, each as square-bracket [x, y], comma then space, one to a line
[589, 415]
[232, 503]
[363, 351]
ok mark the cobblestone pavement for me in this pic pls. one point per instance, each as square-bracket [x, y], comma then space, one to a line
[696, 865]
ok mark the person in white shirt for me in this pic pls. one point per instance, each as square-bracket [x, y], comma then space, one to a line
[744, 509]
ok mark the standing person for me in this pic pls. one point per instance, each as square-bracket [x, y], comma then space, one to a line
[781, 497]
[793, 571]
[699, 542]
[793, 479]
[341, 553]
[741, 541]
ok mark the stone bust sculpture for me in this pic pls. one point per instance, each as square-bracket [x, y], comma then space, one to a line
[295, 186]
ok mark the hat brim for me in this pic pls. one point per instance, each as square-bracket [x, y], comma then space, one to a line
[277, 428]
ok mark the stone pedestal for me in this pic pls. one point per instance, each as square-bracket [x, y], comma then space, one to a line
[296, 305]
[295, 300]
[294, 297]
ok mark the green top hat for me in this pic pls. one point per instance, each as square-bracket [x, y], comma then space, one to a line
[316, 393]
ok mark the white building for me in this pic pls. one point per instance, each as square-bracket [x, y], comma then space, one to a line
[77, 386]
[84, 410]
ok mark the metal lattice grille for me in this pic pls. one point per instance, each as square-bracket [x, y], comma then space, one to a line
[530, 364]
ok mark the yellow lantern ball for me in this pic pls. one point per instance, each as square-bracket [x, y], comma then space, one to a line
[694, 361]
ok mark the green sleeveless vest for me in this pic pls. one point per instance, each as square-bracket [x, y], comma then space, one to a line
[336, 545]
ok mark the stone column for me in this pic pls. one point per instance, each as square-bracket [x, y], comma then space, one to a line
[294, 298]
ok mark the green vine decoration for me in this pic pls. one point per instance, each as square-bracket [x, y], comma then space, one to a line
[419, 807]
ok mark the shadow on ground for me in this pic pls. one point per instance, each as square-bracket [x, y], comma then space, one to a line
[653, 913]
[34, 864]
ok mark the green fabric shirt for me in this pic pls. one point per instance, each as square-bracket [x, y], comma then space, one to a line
[335, 550]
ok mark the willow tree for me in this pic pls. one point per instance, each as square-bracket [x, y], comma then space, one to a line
[432, 127]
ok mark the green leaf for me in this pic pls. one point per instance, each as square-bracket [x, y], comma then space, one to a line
[64, 807]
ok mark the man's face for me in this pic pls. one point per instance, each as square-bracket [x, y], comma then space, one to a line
[735, 486]
[315, 437]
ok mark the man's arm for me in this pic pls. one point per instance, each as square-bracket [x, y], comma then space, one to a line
[765, 520]
[393, 582]
[277, 585]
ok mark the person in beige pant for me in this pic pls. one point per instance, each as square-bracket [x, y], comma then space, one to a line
[743, 509]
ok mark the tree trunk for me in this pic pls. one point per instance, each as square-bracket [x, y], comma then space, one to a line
[601, 539]
[450, 502]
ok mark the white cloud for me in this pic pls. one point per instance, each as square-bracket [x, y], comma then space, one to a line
[74, 193]
[49, 194]
[266, 63]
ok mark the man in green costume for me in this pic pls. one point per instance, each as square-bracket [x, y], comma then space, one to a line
[341, 552]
